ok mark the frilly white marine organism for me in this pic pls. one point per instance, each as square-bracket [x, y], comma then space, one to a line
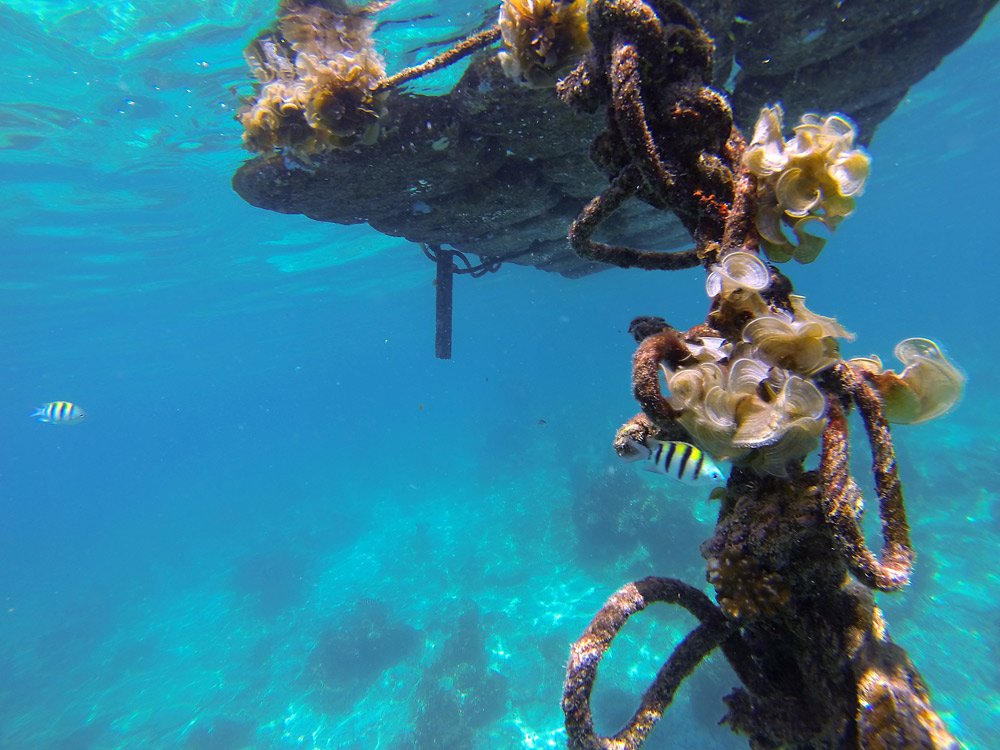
[316, 75]
[737, 270]
[802, 342]
[808, 183]
[749, 411]
[542, 39]
[737, 280]
[753, 401]
[928, 386]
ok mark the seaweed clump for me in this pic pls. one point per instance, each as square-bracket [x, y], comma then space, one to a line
[317, 73]
[542, 39]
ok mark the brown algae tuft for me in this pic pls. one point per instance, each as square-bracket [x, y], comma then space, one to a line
[542, 39]
[316, 75]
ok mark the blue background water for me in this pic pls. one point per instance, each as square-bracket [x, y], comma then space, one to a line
[286, 525]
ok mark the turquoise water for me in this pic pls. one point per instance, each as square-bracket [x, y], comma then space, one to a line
[286, 525]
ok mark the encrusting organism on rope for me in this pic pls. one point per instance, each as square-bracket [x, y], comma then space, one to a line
[761, 383]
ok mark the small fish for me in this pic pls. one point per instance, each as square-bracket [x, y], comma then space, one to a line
[681, 461]
[59, 412]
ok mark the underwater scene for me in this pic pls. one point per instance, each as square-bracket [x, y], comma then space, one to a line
[242, 503]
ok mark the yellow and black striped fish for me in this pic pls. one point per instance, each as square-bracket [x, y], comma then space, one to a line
[680, 461]
[59, 412]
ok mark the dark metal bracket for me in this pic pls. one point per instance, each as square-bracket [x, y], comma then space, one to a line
[444, 279]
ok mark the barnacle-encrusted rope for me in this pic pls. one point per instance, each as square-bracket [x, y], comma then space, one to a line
[815, 658]
[465, 47]
[740, 232]
[670, 137]
[621, 189]
[842, 496]
[660, 347]
[894, 706]
[586, 653]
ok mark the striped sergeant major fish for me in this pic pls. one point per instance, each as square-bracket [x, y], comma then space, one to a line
[59, 412]
[683, 462]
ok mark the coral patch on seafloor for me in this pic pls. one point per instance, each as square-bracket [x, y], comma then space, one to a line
[807, 183]
[359, 646]
[458, 693]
